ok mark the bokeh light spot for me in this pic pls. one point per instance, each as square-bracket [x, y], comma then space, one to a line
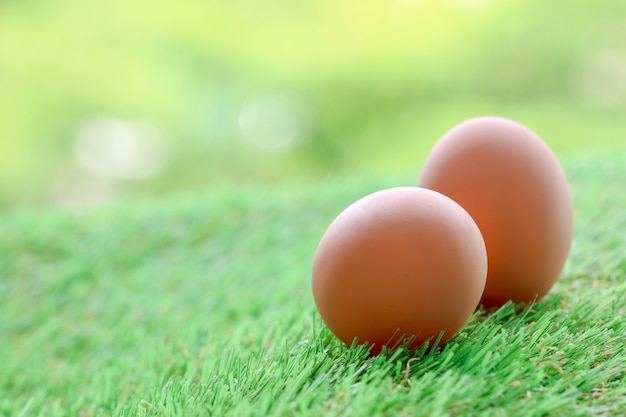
[271, 122]
[116, 149]
[601, 79]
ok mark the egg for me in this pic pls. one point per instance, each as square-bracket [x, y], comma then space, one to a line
[512, 185]
[399, 266]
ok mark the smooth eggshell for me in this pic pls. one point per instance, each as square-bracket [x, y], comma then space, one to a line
[510, 182]
[402, 262]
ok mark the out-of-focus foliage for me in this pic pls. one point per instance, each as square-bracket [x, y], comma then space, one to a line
[99, 99]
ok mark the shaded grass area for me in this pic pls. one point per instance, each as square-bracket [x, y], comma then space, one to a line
[201, 305]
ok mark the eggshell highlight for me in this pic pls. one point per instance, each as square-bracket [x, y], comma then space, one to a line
[400, 263]
[512, 185]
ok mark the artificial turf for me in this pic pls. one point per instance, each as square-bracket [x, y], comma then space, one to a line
[200, 305]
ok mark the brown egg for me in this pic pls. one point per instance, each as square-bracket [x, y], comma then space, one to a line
[400, 263]
[509, 181]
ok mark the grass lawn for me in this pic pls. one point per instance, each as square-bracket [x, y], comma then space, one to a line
[200, 305]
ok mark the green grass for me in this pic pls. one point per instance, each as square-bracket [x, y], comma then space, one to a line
[201, 305]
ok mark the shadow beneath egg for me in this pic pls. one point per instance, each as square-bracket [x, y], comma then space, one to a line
[487, 332]
[517, 312]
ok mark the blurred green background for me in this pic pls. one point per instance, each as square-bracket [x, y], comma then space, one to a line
[117, 98]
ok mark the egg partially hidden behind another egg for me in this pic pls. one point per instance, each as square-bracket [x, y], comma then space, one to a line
[512, 185]
[401, 263]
